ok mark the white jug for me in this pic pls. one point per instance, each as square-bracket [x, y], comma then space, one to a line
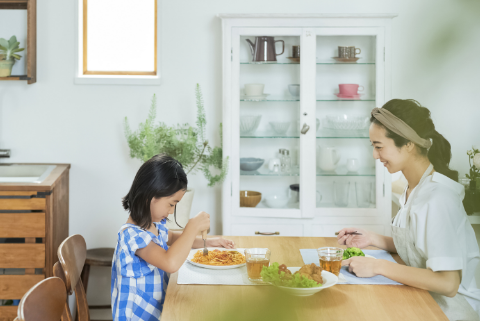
[328, 158]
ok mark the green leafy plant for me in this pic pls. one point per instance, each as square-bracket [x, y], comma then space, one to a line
[9, 48]
[185, 143]
[474, 157]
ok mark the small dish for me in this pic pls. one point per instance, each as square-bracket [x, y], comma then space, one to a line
[346, 122]
[280, 128]
[276, 201]
[215, 267]
[346, 59]
[341, 96]
[255, 98]
[251, 164]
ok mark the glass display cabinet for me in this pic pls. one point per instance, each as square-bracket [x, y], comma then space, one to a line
[297, 95]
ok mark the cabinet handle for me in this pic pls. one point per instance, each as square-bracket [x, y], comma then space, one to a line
[267, 233]
[305, 129]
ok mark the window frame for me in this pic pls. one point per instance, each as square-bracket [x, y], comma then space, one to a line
[112, 77]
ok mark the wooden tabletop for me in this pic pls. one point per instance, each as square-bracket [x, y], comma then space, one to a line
[340, 302]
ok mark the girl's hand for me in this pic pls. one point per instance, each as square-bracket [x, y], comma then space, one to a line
[200, 223]
[360, 241]
[363, 267]
[220, 242]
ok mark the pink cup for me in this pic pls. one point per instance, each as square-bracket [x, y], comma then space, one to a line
[349, 89]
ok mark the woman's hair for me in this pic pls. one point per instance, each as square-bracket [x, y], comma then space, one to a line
[418, 117]
[160, 176]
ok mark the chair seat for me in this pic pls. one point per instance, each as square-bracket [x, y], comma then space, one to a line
[100, 256]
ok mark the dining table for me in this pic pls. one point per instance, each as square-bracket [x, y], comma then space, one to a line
[265, 302]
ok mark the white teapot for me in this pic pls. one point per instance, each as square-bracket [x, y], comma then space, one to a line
[327, 158]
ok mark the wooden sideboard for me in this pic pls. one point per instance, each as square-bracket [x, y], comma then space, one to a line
[34, 221]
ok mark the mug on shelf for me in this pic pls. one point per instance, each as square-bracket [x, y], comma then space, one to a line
[352, 51]
[349, 89]
[343, 52]
[352, 165]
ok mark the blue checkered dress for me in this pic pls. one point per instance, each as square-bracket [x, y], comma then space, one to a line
[138, 288]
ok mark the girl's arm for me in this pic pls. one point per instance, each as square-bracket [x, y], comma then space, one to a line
[170, 261]
[442, 282]
[198, 242]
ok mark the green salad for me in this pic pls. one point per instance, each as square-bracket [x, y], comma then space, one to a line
[270, 274]
[352, 251]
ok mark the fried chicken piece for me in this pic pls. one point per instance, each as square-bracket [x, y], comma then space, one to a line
[306, 269]
[317, 278]
[308, 276]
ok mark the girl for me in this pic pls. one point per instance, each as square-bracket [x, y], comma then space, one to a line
[431, 232]
[146, 250]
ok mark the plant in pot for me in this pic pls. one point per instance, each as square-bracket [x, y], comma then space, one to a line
[185, 143]
[8, 55]
[472, 194]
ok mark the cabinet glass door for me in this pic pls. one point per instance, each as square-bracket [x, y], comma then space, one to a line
[347, 89]
[267, 148]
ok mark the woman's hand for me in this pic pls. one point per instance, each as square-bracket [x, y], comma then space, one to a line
[360, 241]
[200, 223]
[363, 267]
[220, 242]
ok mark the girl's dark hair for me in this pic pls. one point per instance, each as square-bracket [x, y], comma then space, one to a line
[160, 176]
[418, 117]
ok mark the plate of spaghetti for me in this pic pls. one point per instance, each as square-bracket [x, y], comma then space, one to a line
[217, 258]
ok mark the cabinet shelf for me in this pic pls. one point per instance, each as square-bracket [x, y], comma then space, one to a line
[292, 98]
[321, 134]
[319, 62]
[340, 171]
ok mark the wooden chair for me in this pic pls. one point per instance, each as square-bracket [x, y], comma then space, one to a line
[72, 254]
[97, 257]
[43, 302]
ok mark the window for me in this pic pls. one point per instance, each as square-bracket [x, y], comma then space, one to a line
[117, 42]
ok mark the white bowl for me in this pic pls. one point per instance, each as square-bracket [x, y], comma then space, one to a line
[294, 90]
[346, 122]
[280, 128]
[249, 124]
[330, 278]
[276, 201]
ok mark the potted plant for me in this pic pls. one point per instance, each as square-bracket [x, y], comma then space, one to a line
[8, 54]
[472, 195]
[185, 143]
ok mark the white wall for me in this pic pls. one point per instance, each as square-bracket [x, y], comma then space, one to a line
[59, 122]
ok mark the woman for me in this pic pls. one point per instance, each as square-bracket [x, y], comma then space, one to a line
[431, 232]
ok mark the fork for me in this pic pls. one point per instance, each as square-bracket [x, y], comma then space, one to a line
[353, 233]
[204, 237]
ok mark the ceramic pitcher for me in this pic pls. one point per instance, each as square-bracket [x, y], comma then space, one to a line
[327, 158]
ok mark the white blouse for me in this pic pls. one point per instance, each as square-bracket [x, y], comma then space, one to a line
[443, 233]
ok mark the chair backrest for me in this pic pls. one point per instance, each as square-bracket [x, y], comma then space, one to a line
[45, 301]
[72, 254]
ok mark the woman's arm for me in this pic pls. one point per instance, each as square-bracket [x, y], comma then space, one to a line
[172, 259]
[366, 239]
[442, 282]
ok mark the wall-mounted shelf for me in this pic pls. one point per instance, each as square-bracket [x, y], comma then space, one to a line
[31, 7]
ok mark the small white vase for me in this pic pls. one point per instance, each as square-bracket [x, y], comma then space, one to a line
[183, 211]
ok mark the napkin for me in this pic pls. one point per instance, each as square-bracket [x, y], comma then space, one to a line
[311, 256]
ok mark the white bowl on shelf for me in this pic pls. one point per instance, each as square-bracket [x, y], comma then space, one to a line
[280, 128]
[346, 122]
[249, 124]
[276, 201]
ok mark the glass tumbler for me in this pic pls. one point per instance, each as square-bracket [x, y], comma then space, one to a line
[364, 194]
[256, 259]
[340, 193]
[330, 259]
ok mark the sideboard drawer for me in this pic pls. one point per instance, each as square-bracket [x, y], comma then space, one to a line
[19, 225]
[21, 201]
[267, 229]
[329, 230]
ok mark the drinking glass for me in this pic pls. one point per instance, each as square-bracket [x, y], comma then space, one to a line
[364, 194]
[330, 259]
[340, 193]
[256, 258]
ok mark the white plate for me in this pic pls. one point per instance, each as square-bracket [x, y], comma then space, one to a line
[215, 267]
[368, 255]
[330, 278]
